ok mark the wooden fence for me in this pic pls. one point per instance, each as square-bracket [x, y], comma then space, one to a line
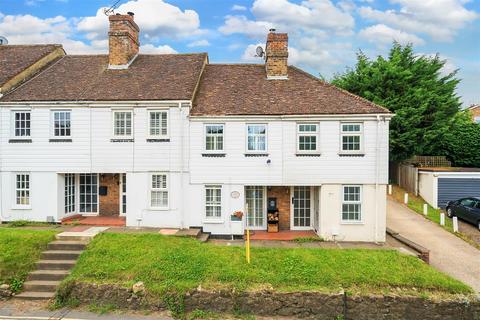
[405, 175]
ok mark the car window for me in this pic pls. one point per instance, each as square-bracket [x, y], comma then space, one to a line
[477, 205]
[467, 202]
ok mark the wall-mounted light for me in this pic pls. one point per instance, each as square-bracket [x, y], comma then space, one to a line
[269, 161]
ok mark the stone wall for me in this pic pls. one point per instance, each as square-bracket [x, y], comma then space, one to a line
[109, 205]
[307, 305]
[283, 204]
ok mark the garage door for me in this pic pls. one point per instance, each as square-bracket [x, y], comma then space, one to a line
[456, 188]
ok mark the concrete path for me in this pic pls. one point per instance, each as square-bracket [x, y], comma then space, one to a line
[448, 253]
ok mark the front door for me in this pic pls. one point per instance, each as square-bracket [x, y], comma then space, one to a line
[302, 204]
[255, 198]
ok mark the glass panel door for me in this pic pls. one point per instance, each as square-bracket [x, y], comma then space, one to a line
[302, 208]
[88, 192]
[124, 193]
[256, 214]
[69, 192]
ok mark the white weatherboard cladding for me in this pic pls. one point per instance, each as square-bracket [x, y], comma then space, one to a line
[427, 187]
[91, 149]
[285, 167]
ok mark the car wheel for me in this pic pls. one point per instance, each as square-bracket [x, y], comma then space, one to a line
[449, 213]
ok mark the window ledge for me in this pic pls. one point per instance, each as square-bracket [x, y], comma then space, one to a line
[214, 155]
[158, 209]
[60, 140]
[213, 221]
[29, 207]
[122, 140]
[352, 222]
[158, 140]
[351, 154]
[20, 140]
[256, 154]
[307, 154]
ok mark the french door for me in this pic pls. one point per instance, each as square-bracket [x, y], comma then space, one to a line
[123, 193]
[69, 193]
[255, 198]
[302, 205]
[88, 193]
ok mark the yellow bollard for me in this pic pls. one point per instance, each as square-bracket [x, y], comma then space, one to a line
[247, 246]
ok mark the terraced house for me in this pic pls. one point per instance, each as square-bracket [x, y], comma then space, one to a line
[176, 141]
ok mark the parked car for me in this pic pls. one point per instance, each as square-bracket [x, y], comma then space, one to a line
[467, 209]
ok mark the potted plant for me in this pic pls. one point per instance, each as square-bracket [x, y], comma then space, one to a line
[236, 216]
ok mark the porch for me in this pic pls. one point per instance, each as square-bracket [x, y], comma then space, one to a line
[288, 211]
[105, 221]
[94, 195]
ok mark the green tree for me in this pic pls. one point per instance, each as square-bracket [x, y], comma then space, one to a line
[461, 142]
[414, 88]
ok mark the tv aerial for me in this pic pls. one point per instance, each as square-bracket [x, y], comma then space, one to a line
[110, 11]
[259, 52]
[3, 40]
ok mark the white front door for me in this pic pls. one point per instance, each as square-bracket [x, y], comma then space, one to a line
[255, 199]
[302, 208]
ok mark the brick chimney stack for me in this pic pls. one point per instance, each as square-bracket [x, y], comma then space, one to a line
[276, 55]
[122, 41]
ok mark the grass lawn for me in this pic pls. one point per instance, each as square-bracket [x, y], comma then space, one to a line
[416, 204]
[19, 250]
[175, 265]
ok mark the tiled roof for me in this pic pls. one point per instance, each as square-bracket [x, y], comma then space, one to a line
[86, 78]
[242, 89]
[16, 58]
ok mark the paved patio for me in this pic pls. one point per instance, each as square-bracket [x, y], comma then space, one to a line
[286, 235]
[107, 221]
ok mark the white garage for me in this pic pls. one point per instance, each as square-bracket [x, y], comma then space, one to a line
[440, 185]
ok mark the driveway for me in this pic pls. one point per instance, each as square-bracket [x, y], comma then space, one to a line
[448, 253]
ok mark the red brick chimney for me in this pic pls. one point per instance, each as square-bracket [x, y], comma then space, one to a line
[276, 55]
[122, 41]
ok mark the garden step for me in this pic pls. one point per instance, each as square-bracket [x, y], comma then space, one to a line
[55, 264]
[61, 254]
[41, 286]
[48, 275]
[67, 245]
[34, 295]
[203, 237]
[192, 232]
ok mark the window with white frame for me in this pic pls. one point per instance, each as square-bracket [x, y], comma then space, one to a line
[213, 202]
[256, 137]
[214, 137]
[307, 137]
[122, 123]
[158, 123]
[351, 137]
[69, 192]
[61, 123]
[159, 191]
[22, 189]
[352, 203]
[476, 119]
[22, 123]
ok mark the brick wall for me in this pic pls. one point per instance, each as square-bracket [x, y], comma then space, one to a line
[283, 203]
[123, 39]
[276, 55]
[110, 204]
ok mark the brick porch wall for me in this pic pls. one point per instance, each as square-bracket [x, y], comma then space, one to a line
[283, 204]
[110, 204]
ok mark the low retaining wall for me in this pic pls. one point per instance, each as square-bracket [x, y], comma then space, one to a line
[311, 305]
[423, 253]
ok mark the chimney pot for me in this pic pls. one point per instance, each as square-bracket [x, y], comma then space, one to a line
[276, 56]
[122, 40]
[131, 14]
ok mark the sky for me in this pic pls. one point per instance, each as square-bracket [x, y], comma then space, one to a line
[324, 35]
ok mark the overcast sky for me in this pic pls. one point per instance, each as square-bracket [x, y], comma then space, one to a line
[324, 34]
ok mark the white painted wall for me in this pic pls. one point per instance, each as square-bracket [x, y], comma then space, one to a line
[286, 168]
[428, 188]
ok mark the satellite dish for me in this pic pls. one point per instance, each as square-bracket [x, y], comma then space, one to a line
[3, 40]
[259, 51]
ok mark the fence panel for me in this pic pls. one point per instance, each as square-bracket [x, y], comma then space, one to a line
[405, 175]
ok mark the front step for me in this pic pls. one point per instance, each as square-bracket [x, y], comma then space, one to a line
[48, 275]
[203, 237]
[55, 264]
[34, 295]
[61, 254]
[41, 286]
[66, 245]
[191, 233]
